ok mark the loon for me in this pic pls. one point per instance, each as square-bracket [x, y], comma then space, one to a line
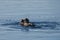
[25, 22]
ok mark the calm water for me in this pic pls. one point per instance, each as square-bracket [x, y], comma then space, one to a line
[43, 13]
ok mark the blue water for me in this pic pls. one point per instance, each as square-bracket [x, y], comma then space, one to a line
[44, 14]
[42, 31]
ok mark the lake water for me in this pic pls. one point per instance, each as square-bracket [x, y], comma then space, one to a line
[45, 14]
